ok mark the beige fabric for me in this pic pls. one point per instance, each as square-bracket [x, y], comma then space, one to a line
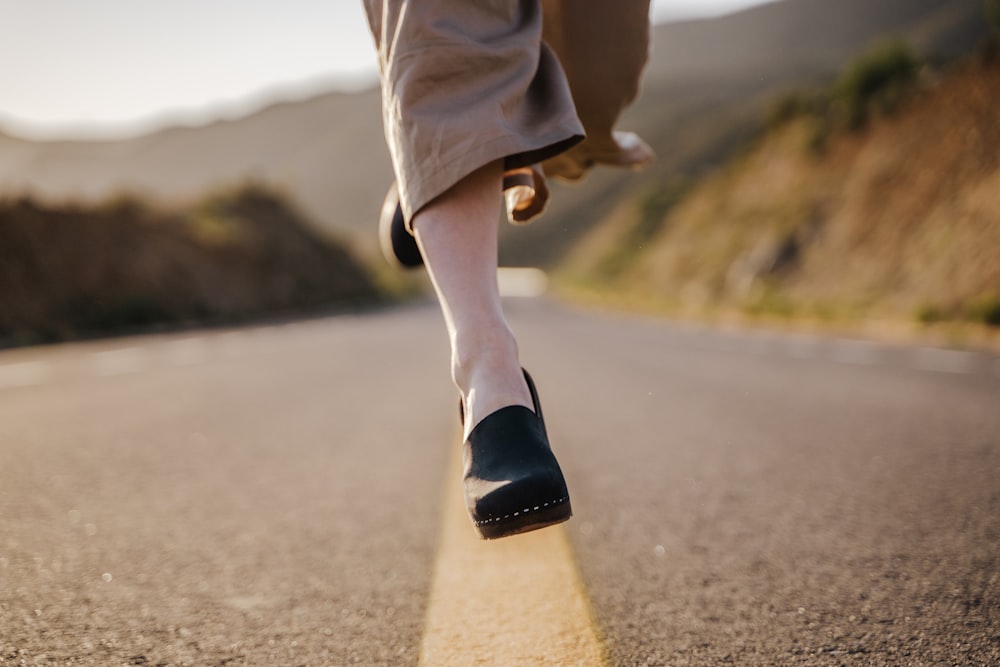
[467, 82]
[603, 46]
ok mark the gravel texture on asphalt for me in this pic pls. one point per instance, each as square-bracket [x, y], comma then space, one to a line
[739, 502]
[272, 495]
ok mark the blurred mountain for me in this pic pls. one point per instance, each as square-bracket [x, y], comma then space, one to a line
[705, 89]
[326, 153]
[81, 270]
[884, 206]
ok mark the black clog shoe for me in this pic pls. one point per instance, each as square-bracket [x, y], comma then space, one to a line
[398, 245]
[513, 483]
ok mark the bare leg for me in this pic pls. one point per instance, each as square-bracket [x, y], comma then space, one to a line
[457, 235]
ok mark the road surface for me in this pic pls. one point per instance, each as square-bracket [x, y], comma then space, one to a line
[284, 495]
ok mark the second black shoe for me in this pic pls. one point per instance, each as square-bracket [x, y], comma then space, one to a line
[398, 245]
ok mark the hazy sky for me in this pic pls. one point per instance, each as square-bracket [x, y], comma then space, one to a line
[112, 67]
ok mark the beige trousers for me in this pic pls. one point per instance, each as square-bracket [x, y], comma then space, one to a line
[537, 83]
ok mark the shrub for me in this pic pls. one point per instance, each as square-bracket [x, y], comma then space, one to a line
[876, 81]
[768, 301]
[993, 14]
[930, 313]
[985, 310]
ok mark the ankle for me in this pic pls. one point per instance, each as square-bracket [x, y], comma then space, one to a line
[485, 351]
[488, 375]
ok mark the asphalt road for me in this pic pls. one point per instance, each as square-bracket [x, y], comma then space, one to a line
[274, 495]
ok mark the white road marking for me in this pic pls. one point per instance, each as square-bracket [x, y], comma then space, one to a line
[23, 374]
[856, 352]
[522, 282]
[186, 351]
[515, 601]
[725, 342]
[233, 344]
[801, 347]
[122, 361]
[943, 361]
[759, 344]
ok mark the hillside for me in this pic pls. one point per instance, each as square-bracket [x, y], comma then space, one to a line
[326, 153]
[898, 219]
[71, 271]
[710, 82]
[705, 89]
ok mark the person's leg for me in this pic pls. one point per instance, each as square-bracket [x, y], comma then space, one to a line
[457, 235]
[464, 85]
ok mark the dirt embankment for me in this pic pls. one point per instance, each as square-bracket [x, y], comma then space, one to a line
[898, 219]
[70, 271]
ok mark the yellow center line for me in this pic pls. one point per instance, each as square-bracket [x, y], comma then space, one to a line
[514, 601]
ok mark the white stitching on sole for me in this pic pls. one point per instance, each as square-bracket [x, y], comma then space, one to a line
[526, 511]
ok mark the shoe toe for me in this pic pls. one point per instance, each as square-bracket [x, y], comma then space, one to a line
[513, 482]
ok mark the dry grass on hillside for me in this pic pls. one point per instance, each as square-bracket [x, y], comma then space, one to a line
[900, 219]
